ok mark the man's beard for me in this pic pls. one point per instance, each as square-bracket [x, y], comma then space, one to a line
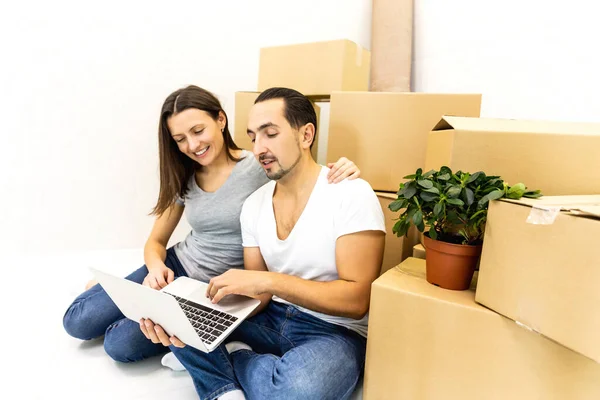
[275, 176]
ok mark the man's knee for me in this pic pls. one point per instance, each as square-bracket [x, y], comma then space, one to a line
[327, 379]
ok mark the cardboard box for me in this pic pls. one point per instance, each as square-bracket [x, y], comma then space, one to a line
[556, 157]
[542, 268]
[418, 251]
[396, 248]
[243, 103]
[391, 45]
[430, 343]
[315, 69]
[385, 134]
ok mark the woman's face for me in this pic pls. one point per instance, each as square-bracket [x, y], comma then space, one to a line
[198, 135]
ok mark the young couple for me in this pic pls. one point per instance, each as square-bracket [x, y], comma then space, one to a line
[275, 226]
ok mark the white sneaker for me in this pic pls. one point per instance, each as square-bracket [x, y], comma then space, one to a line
[170, 361]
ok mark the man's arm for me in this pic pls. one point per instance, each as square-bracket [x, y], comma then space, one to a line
[254, 261]
[358, 259]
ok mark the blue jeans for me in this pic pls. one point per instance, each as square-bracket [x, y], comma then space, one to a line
[94, 314]
[294, 356]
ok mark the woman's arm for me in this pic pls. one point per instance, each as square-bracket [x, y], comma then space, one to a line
[155, 250]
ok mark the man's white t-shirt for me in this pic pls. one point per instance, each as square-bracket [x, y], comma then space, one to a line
[332, 210]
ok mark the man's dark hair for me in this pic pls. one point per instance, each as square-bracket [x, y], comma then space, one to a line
[298, 110]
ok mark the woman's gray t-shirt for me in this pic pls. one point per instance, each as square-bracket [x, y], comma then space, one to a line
[215, 243]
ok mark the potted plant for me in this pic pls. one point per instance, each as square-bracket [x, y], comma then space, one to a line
[451, 208]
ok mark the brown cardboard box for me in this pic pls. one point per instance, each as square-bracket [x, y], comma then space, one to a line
[396, 248]
[385, 134]
[315, 69]
[430, 343]
[243, 103]
[556, 157]
[391, 45]
[544, 272]
[418, 251]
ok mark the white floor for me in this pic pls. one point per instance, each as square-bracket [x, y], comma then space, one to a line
[41, 361]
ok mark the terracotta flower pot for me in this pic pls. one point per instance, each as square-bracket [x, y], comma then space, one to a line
[450, 266]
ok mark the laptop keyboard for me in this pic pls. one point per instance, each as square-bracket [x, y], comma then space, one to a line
[208, 322]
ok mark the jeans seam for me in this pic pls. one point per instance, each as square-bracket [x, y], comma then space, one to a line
[352, 389]
[282, 328]
[113, 326]
[222, 350]
[291, 312]
[272, 330]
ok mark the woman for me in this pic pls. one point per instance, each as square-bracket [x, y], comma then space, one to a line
[203, 172]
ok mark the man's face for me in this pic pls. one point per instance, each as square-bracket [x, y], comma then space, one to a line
[276, 143]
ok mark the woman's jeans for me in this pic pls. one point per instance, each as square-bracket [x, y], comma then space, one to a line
[94, 314]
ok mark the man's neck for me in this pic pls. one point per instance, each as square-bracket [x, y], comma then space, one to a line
[300, 179]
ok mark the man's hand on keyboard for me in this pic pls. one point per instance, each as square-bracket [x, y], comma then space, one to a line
[237, 281]
[157, 334]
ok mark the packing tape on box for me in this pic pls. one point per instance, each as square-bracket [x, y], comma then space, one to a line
[524, 310]
[543, 215]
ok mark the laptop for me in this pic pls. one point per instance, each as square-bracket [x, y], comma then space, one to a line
[181, 308]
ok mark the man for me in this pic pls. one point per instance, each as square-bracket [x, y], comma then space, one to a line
[311, 252]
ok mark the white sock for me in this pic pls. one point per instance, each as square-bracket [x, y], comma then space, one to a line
[233, 395]
[170, 361]
[235, 346]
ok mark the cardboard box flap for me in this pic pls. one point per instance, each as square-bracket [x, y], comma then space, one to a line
[564, 202]
[586, 210]
[545, 209]
[516, 126]
[444, 124]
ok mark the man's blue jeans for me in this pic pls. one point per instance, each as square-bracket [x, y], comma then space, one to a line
[294, 356]
[94, 314]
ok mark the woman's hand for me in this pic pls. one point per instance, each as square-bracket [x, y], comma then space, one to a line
[158, 276]
[342, 169]
[157, 334]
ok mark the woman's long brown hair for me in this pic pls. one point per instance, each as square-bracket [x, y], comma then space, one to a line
[176, 168]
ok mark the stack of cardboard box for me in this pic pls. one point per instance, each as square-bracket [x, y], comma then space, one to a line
[313, 69]
[384, 133]
[431, 343]
[529, 329]
[538, 336]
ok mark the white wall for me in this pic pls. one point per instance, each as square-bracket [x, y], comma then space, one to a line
[80, 93]
[531, 59]
[81, 88]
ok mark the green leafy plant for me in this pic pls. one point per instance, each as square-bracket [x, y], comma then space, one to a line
[453, 206]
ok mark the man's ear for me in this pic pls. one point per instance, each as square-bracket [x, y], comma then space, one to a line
[308, 135]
